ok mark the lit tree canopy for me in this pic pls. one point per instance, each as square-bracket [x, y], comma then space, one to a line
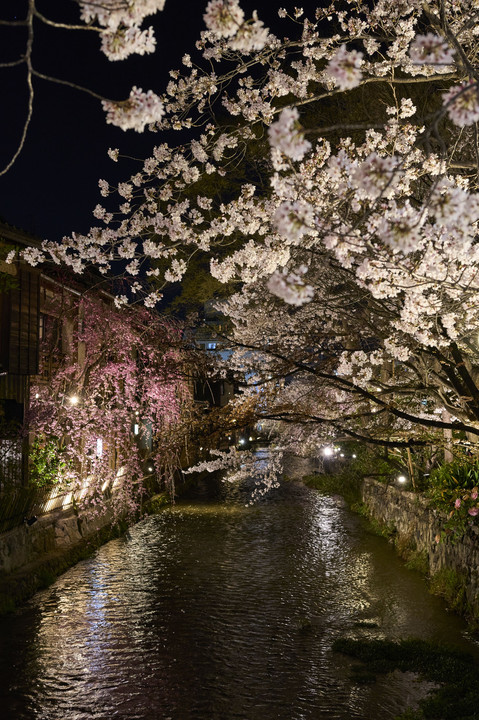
[356, 253]
[115, 408]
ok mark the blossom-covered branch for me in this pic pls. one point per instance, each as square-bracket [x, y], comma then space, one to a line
[355, 248]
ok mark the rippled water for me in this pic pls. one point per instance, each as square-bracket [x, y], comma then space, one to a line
[217, 611]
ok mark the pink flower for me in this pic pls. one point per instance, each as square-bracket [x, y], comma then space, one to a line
[431, 49]
[474, 494]
[473, 511]
[457, 504]
[345, 68]
[462, 104]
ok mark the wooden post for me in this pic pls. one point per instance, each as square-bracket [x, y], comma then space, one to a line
[411, 469]
[448, 456]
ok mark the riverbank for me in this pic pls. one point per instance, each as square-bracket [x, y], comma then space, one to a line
[33, 556]
[409, 522]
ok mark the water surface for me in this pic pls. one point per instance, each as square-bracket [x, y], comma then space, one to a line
[217, 611]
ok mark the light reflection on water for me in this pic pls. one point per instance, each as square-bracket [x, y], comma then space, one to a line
[215, 611]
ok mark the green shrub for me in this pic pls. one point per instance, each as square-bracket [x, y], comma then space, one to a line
[370, 462]
[451, 585]
[47, 463]
[454, 489]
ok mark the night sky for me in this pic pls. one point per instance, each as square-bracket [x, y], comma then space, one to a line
[53, 186]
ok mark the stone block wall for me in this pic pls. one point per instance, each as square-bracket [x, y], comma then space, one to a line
[418, 524]
[51, 534]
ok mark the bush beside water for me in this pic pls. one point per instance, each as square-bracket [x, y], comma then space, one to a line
[456, 696]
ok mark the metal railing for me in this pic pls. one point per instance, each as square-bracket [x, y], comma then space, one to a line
[11, 461]
[23, 504]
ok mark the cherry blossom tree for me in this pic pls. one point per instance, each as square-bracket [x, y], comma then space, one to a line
[114, 405]
[356, 258]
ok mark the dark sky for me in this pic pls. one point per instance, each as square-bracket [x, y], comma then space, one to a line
[53, 186]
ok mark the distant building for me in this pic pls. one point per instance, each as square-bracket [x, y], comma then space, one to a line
[213, 391]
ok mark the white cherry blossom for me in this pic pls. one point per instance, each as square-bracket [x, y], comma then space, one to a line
[139, 110]
[345, 68]
[462, 104]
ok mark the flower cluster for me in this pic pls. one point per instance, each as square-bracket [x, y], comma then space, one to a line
[376, 176]
[431, 49]
[290, 286]
[345, 68]
[286, 135]
[132, 40]
[223, 17]
[121, 21]
[114, 13]
[462, 104]
[139, 110]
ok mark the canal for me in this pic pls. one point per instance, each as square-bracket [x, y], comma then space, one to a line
[214, 610]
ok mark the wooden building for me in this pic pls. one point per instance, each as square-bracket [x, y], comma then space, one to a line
[19, 352]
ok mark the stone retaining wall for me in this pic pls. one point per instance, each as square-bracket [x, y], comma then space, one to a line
[32, 556]
[417, 525]
[51, 533]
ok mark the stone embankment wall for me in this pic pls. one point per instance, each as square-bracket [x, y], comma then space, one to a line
[51, 533]
[415, 525]
[32, 556]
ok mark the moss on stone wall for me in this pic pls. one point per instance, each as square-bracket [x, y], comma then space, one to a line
[452, 586]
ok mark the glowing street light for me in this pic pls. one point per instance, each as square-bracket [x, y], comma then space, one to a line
[328, 451]
[73, 399]
[402, 479]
